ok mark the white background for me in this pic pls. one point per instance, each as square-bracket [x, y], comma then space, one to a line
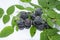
[21, 34]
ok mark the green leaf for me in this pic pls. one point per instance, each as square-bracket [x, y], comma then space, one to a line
[10, 10]
[50, 23]
[58, 22]
[51, 3]
[1, 12]
[51, 32]
[43, 36]
[17, 28]
[55, 37]
[58, 5]
[36, 6]
[6, 18]
[43, 3]
[51, 13]
[32, 31]
[48, 33]
[20, 7]
[29, 9]
[27, 1]
[57, 16]
[13, 22]
[6, 31]
[44, 16]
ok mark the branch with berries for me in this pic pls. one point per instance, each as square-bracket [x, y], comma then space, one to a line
[42, 17]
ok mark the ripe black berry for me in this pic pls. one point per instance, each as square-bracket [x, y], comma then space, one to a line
[40, 27]
[27, 23]
[24, 15]
[33, 16]
[46, 25]
[38, 12]
[21, 24]
[37, 21]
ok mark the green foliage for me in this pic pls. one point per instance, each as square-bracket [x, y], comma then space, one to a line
[13, 22]
[51, 13]
[57, 16]
[47, 3]
[50, 23]
[29, 9]
[47, 33]
[6, 31]
[44, 16]
[58, 21]
[10, 10]
[26, 1]
[55, 37]
[17, 28]
[36, 6]
[43, 36]
[32, 31]
[58, 5]
[6, 18]
[1, 12]
[20, 7]
[52, 3]
[51, 32]
[43, 3]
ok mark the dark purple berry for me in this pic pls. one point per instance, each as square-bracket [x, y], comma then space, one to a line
[46, 26]
[24, 15]
[38, 12]
[37, 21]
[40, 27]
[33, 16]
[21, 24]
[27, 23]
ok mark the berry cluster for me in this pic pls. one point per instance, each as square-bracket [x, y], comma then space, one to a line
[27, 19]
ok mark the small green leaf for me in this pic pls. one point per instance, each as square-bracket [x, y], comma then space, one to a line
[50, 23]
[1, 12]
[17, 28]
[57, 16]
[32, 31]
[36, 6]
[20, 7]
[48, 33]
[51, 3]
[26, 1]
[55, 37]
[13, 22]
[6, 31]
[44, 16]
[43, 3]
[29, 9]
[10, 10]
[43, 36]
[51, 32]
[58, 22]
[51, 13]
[6, 18]
[58, 5]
